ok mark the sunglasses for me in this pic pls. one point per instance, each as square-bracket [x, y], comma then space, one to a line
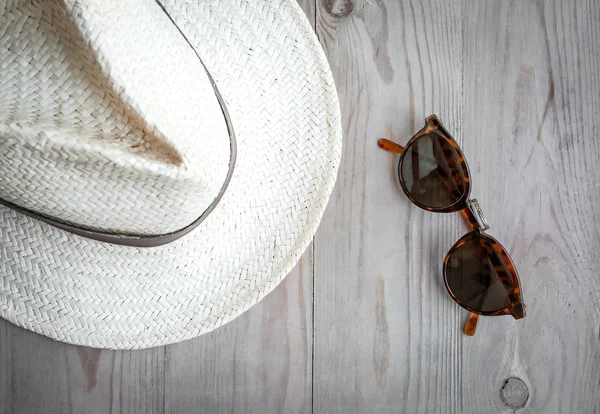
[478, 272]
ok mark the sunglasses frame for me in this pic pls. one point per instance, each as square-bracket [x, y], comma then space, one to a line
[434, 126]
[516, 307]
[471, 212]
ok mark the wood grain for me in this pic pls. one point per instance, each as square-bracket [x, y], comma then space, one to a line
[538, 103]
[260, 362]
[377, 258]
[309, 8]
[517, 84]
[44, 376]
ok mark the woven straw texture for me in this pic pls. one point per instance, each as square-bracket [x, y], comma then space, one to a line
[275, 80]
[81, 107]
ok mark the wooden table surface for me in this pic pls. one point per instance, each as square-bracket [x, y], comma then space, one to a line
[364, 323]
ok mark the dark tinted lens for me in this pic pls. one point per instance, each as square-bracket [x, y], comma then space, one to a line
[432, 173]
[478, 276]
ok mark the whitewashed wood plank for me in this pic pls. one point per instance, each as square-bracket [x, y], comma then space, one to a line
[6, 368]
[387, 335]
[260, 362]
[532, 87]
[44, 376]
[309, 8]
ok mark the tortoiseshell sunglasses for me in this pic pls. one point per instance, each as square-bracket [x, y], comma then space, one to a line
[478, 272]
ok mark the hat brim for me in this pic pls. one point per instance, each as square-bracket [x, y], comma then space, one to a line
[276, 83]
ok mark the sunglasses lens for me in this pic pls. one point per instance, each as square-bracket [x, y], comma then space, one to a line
[478, 276]
[431, 172]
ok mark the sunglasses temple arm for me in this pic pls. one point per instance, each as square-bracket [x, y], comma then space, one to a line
[471, 325]
[390, 146]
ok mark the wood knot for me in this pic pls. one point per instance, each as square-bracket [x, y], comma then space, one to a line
[514, 392]
[339, 8]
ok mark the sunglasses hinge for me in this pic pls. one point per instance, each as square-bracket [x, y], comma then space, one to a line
[475, 209]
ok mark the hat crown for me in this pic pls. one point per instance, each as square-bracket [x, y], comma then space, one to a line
[108, 119]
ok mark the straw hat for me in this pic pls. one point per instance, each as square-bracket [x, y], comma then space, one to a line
[163, 165]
